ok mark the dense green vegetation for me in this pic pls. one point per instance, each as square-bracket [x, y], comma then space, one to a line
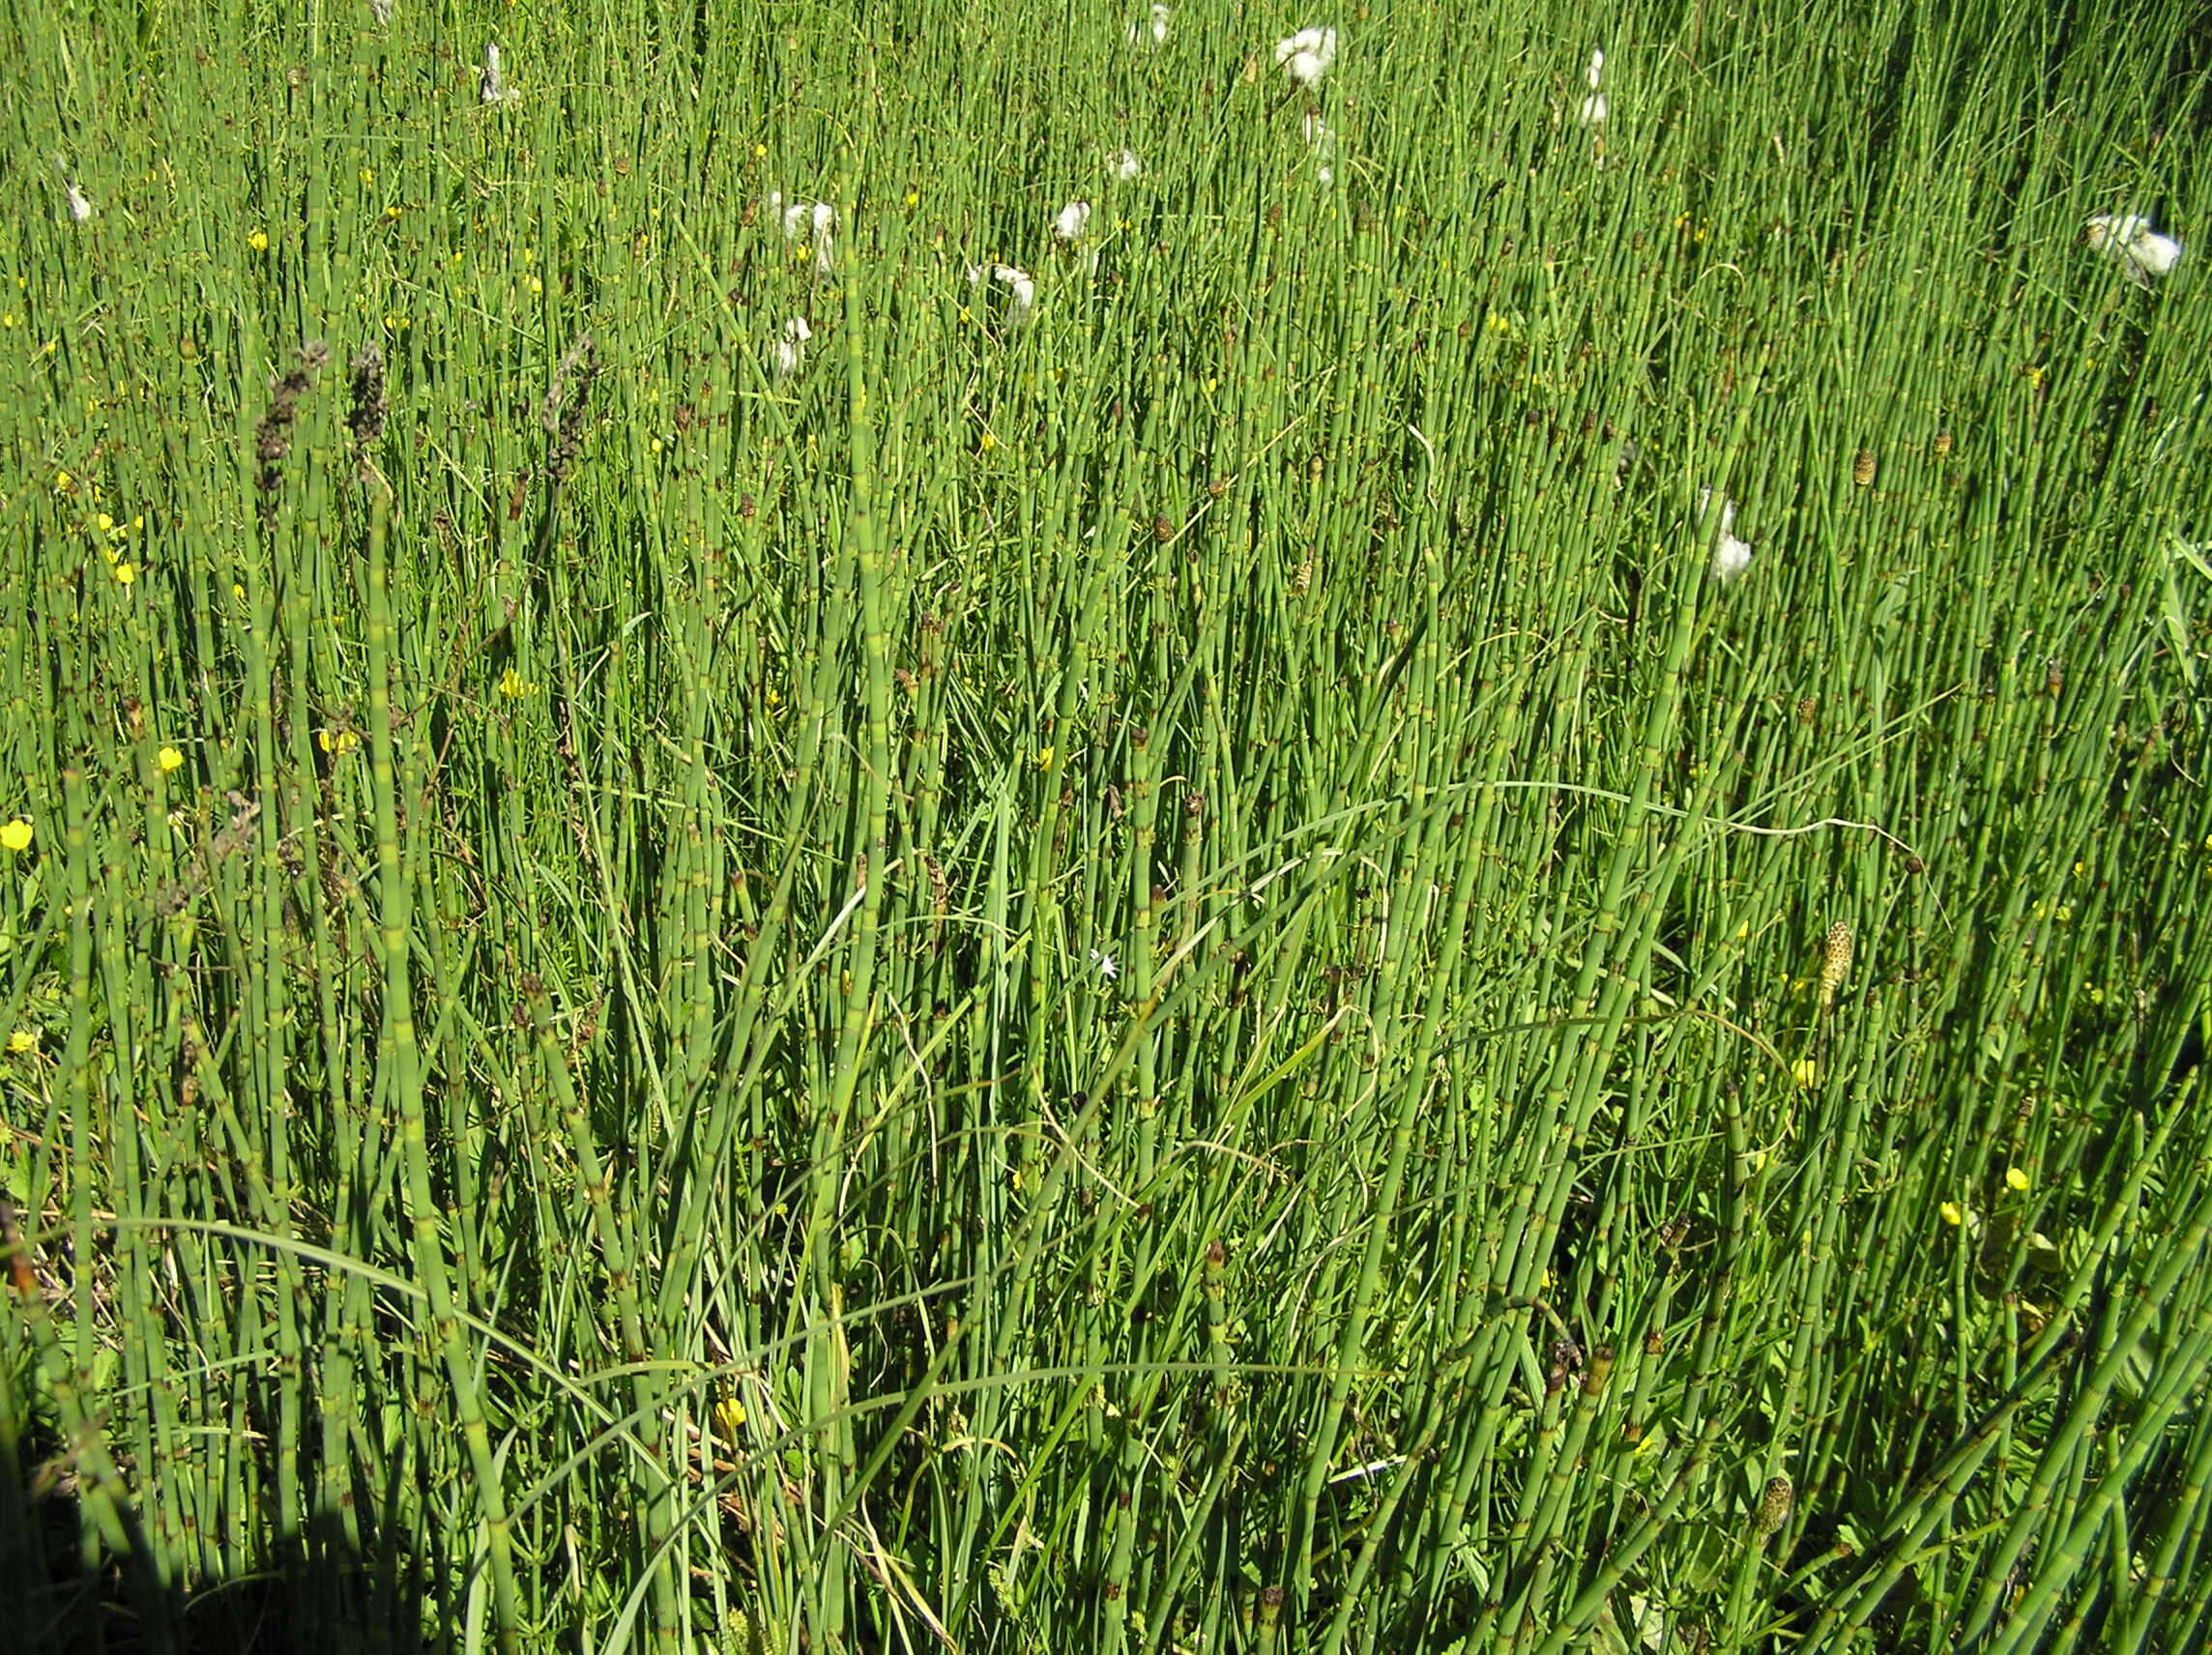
[721, 930]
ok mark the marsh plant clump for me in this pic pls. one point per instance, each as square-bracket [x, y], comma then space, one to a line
[915, 889]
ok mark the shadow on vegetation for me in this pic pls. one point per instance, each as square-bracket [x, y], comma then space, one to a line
[60, 1595]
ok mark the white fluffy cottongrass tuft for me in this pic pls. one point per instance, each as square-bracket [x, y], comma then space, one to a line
[1306, 56]
[1123, 165]
[1017, 282]
[1069, 224]
[1593, 110]
[1156, 29]
[79, 209]
[2141, 251]
[494, 88]
[383, 11]
[1730, 556]
[806, 222]
[791, 347]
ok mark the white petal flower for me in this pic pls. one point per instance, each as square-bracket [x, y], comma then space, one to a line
[1156, 28]
[1105, 965]
[1071, 220]
[1306, 56]
[79, 209]
[1125, 165]
[2141, 251]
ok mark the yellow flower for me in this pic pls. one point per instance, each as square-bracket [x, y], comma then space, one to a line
[258, 240]
[512, 686]
[64, 483]
[8, 320]
[912, 197]
[169, 759]
[126, 573]
[24, 1040]
[368, 174]
[1805, 1072]
[989, 441]
[16, 836]
[337, 741]
[393, 211]
[1044, 756]
[104, 522]
[2016, 1179]
[1953, 1213]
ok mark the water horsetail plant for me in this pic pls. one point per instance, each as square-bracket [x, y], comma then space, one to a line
[1174, 950]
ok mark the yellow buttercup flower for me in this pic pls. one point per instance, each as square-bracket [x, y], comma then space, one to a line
[1805, 1072]
[1953, 1213]
[126, 573]
[16, 836]
[2016, 1179]
[337, 741]
[24, 1040]
[169, 759]
[258, 240]
[514, 687]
